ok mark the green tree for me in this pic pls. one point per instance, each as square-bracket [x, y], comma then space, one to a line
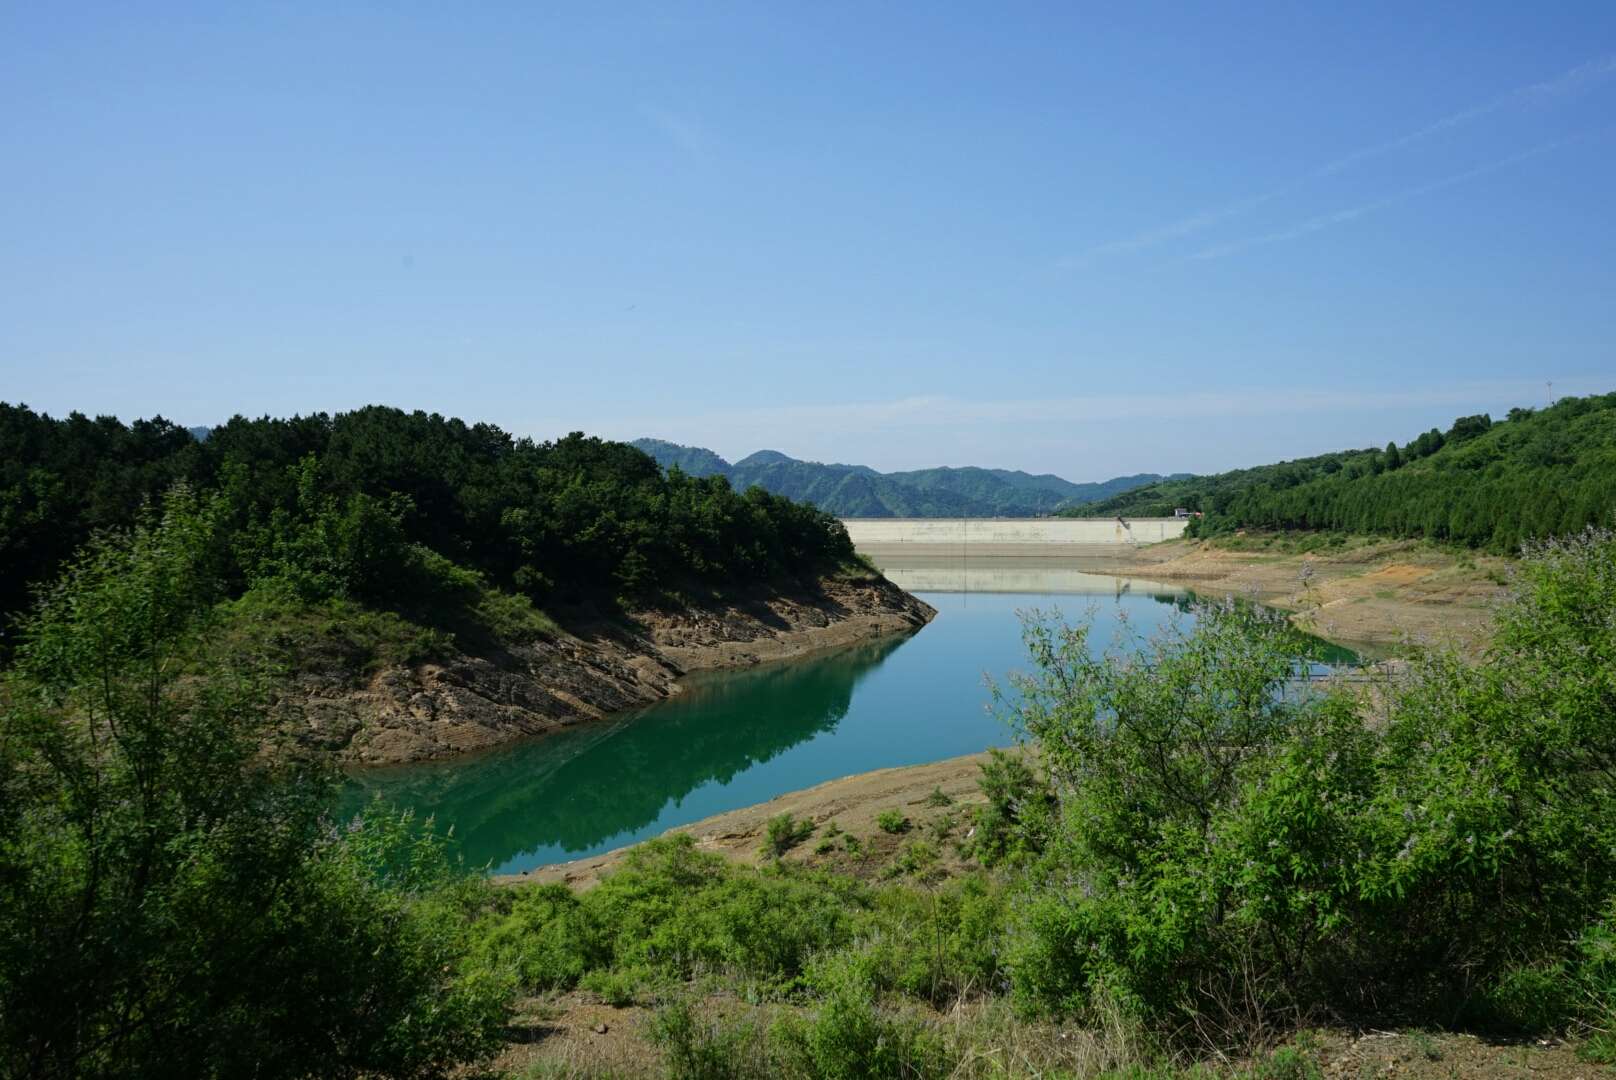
[321, 548]
[174, 900]
[1157, 749]
[1538, 474]
[1237, 850]
[376, 504]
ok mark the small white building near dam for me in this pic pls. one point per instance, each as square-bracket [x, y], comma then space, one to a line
[885, 538]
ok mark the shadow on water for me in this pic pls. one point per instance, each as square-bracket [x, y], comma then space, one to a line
[577, 789]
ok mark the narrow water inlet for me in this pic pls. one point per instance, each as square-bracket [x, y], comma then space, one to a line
[740, 737]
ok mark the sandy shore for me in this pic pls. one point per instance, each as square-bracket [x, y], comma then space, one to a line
[1363, 593]
[852, 802]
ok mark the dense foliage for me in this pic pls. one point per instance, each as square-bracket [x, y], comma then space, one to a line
[860, 491]
[1209, 851]
[387, 507]
[1486, 484]
[1239, 851]
[173, 901]
[673, 912]
[674, 918]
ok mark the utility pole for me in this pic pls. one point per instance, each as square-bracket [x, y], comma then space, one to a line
[1551, 393]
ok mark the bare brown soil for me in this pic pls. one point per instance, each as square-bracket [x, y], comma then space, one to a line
[1360, 593]
[1447, 1056]
[579, 1035]
[560, 1038]
[429, 710]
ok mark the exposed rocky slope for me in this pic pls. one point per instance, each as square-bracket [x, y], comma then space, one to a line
[410, 712]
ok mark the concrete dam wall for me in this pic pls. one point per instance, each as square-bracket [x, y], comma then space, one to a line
[1023, 537]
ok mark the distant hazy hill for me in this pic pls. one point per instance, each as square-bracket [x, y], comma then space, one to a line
[860, 491]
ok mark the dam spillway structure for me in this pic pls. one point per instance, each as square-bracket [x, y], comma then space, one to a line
[1018, 538]
[1013, 555]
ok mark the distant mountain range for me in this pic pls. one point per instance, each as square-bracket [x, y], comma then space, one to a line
[860, 491]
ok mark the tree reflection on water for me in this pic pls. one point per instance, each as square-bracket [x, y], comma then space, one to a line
[580, 787]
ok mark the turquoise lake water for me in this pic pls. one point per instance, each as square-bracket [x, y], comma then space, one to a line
[736, 738]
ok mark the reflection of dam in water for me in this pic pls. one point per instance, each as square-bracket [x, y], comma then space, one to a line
[737, 737]
[742, 736]
[1058, 556]
[1066, 577]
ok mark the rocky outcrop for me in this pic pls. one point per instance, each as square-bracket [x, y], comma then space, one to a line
[475, 701]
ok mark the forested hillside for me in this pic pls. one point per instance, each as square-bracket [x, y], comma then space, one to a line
[860, 491]
[393, 508]
[1482, 483]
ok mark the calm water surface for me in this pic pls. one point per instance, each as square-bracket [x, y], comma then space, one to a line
[735, 738]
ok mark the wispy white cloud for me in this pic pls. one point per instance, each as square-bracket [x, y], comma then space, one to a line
[1578, 79]
[1326, 220]
[934, 411]
[685, 134]
[1089, 437]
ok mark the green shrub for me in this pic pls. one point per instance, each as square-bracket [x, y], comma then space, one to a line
[616, 988]
[1426, 1045]
[671, 910]
[714, 1050]
[938, 797]
[1012, 826]
[785, 832]
[849, 1037]
[1249, 848]
[937, 943]
[174, 901]
[892, 820]
[1286, 1063]
[1194, 789]
[915, 857]
[547, 938]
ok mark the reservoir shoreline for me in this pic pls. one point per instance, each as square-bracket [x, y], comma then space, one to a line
[740, 731]
[475, 701]
[851, 801]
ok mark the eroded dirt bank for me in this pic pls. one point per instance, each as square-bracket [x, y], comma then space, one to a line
[1361, 593]
[408, 713]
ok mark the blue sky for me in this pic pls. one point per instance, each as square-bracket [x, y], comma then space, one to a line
[1088, 239]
